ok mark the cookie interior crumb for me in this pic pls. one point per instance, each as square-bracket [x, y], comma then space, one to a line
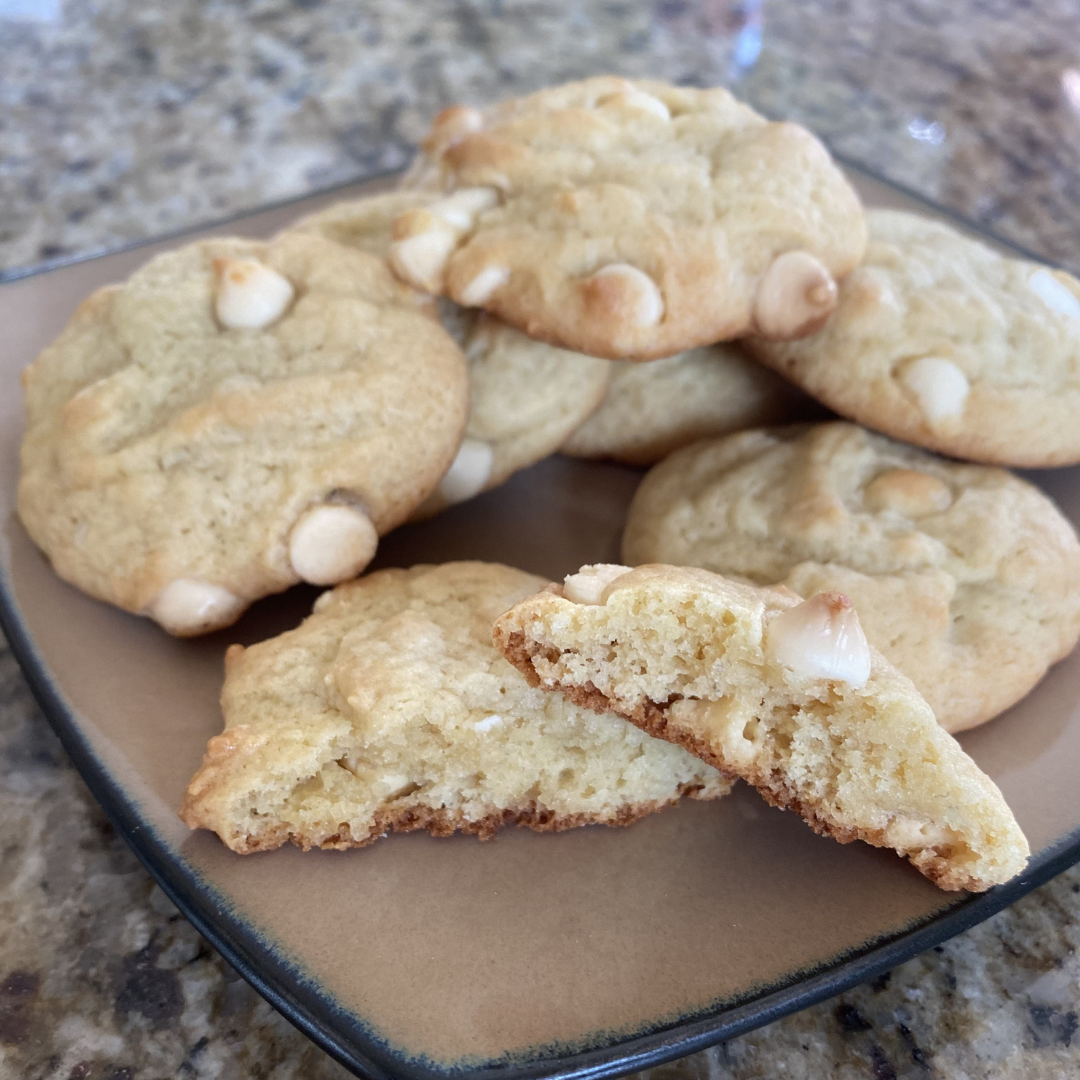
[389, 708]
[683, 654]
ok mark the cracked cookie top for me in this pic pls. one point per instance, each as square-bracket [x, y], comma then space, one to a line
[631, 219]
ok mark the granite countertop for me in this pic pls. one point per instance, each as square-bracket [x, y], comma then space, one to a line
[120, 121]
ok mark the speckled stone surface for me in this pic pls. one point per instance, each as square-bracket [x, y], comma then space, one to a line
[121, 120]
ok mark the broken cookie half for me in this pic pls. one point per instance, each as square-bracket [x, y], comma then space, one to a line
[782, 692]
[389, 709]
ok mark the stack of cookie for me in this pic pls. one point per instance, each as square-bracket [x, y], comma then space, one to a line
[619, 269]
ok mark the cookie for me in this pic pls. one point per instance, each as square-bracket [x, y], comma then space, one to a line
[782, 692]
[631, 219]
[389, 709]
[366, 223]
[653, 409]
[966, 577]
[944, 343]
[235, 418]
[526, 396]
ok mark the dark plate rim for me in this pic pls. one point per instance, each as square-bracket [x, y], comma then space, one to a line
[281, 983]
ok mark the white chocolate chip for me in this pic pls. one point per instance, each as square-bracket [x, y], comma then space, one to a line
[331, 543]
[821, 638]
[734, 730]
[588, 584]
[250, 295]
[395, 784]
[462, 208]
[189, 606]
[489, 722]
[452, 125]
[796, 295]
[906, 834]
[469, 472]
[633, 98]
[939, 386]
[420, 260]
[909, 492]
[646, 302]
[1054, 294]
[483, 286]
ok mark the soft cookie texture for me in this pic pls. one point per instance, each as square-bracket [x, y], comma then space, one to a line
[653, 409]
[781, 692]
[525, 396]
[631, 219]
[234, 418]
[966, 577]
[389, 709]
[366, 223]
[942, 342]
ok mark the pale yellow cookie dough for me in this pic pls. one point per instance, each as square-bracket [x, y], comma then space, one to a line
[653, 409]
[966, 577]
[234, 418]
[389, 709]
[631, 219]
[525, 396]
[944, 343]
[785, 694]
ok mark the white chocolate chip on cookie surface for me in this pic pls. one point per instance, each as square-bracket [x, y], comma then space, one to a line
[453, 124]
[426, 235]
[332, 543]
[795, 297]
[469, 473]
[420, 259]
[188, 606]
[633, 98]
[939, 386]
[250, 295]
[462, 207]
[587, 586]
[1054, 293]
[909, 492]
[820, 639]
[482, 287]
[626, 294]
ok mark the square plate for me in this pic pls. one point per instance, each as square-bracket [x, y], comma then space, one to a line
[592, 952]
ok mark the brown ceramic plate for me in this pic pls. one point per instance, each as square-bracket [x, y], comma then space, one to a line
[593, 952]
